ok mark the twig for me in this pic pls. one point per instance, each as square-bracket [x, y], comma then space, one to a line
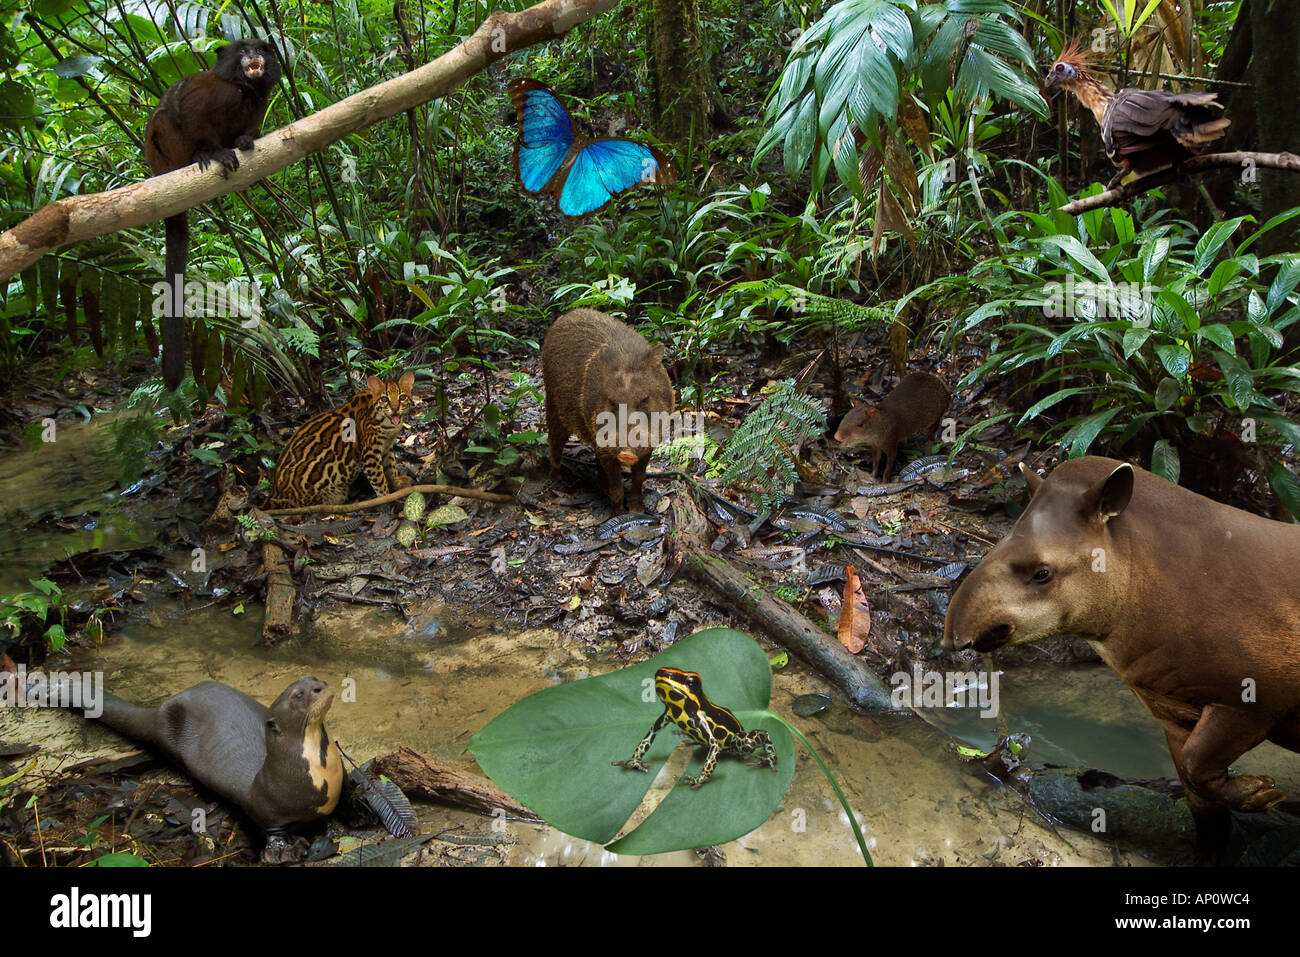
[392, 497]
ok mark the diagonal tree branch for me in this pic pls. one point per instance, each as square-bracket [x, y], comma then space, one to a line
[78, 218]
[1195, 164]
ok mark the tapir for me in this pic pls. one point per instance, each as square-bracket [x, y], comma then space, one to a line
[1194, 604]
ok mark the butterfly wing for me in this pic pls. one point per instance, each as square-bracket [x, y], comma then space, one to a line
[546, 133]
[604, 168]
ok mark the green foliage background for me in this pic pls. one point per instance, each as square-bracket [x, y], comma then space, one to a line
[410, 243]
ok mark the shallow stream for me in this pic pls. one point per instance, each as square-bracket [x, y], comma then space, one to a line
[434, 681]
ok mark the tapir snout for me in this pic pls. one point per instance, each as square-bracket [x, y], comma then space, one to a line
[1057, 573]
[1194, 604]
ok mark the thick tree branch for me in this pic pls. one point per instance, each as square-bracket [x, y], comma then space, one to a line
[1240, 160]
[78, 218]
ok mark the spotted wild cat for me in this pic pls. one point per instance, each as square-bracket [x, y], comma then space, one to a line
[328, 452]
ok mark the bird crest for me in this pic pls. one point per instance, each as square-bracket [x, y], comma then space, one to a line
[1072, 65]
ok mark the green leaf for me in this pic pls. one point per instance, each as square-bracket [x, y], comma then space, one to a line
[1237, 375]
[1284, 283]
[1164, 460]
[1223, 274]
[74, 66]
[1210, 243]
[1183, 309]
[1135, 339]
[1079, 254]
[1051, 400]
[1286, 487]
[1289, 430]
[1167, 393]
[1175, 359]
[554, 750]
[1083, 434]
[525, 438]
[1219, 334]
[1269, 335]
[446, 515]
[413, 506]
[1154, 254]
[1122, 221]
[121, 859]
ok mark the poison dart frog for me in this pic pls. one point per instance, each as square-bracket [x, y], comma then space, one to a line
[703, 722]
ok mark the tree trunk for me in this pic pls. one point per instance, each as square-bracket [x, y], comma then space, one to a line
[681, 72]
[1276, 41]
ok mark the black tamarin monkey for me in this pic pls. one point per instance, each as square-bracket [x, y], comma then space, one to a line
[203, 119]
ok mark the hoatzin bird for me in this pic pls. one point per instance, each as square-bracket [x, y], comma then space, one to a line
[1144, 131]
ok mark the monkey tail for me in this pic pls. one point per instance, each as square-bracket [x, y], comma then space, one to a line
[173, 346]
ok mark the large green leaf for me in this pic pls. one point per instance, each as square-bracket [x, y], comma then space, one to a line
[554, 751]
[1210, 243]
[1083, 434]
[1079, 254]
[1286, 487]
[856, 60]
[1164, 460]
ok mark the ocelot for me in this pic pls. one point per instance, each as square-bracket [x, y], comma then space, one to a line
[705, 723]
[330, 450]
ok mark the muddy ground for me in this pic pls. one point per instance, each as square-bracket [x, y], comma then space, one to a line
[520, 595]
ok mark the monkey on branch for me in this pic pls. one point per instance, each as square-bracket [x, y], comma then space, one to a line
[1144, 131]
[204, 118]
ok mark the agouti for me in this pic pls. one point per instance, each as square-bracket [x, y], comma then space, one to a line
[608, 385]
[917, 405]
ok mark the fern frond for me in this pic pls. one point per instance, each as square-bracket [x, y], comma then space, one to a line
[751, 458]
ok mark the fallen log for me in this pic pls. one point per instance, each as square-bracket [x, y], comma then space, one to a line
[779, 620]
[791, 629]
[280, 594]
[422, 776]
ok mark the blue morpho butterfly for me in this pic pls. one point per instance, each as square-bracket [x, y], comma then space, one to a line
[581, 173]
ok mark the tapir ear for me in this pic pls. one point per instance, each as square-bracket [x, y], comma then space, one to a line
[273, 726]
[1032, 479]
[1110, 496]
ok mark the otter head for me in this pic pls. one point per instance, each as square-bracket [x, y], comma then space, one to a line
[295, 732]
[301, 705]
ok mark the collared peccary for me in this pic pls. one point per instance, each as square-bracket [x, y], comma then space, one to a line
[606, 384]
[916, 405]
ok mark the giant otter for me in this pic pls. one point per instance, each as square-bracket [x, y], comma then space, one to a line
[276, 763]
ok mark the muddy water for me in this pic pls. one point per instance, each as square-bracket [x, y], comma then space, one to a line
[47, 495]
[430, 684]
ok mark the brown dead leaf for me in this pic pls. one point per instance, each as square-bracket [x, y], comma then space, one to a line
[855, 613]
